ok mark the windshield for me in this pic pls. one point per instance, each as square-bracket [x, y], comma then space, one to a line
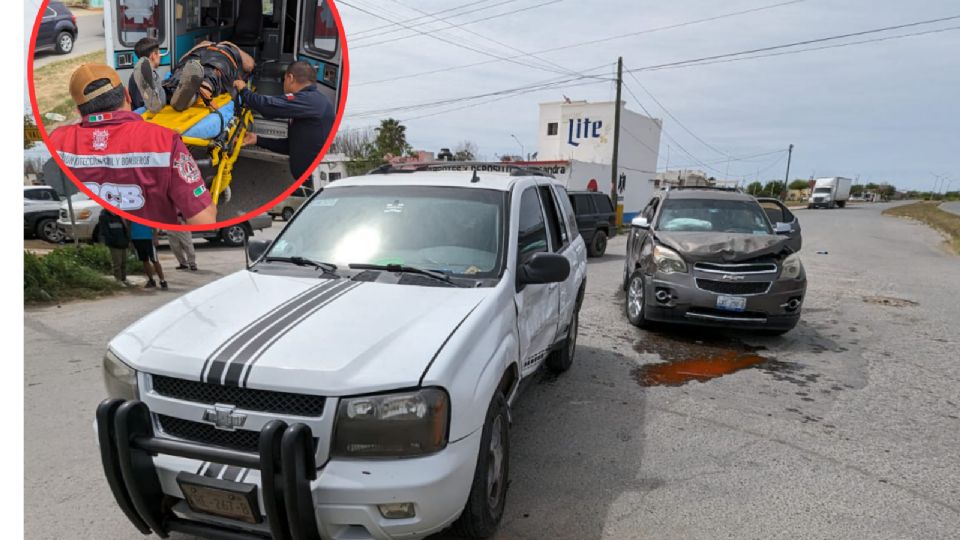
[457, 231]
[689, 215]
[823, 190]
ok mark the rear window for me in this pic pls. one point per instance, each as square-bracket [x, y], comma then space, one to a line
[603, 203]
[321, 36]
[582, 204]
[137, 19]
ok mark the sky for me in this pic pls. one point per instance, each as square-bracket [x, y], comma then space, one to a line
[884, 111]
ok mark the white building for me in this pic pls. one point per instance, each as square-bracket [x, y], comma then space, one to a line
[582, 131]
[332, 167]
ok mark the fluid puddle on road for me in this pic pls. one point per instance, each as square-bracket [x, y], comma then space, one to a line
[694, 356]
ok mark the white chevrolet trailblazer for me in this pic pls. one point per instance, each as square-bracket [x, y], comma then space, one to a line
[356, 380]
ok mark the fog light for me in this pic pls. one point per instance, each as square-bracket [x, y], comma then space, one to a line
[397, 510]
[662, 295]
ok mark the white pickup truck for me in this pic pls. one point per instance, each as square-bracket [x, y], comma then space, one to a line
[356, 380]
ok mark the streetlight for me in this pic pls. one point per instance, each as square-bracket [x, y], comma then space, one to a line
[522, 153]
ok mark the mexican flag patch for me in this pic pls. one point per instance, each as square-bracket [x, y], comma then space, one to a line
[199, 191]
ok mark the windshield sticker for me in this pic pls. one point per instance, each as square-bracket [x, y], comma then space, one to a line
[325, 202]
[395, 207]
[471, 270]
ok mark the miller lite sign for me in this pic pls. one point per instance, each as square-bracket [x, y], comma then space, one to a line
[582, 128]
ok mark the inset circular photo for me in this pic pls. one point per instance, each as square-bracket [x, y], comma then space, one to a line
[190, 114]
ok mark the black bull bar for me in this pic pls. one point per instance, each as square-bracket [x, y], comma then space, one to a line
[285, 460]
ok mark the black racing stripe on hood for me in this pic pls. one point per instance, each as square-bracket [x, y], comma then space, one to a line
[213, 367]
[326, 300]
[444, 344]
[227, 368]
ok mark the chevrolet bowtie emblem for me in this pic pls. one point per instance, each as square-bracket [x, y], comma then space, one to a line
[223, 417]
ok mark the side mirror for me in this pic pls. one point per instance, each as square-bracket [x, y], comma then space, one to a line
[640, 222]
[782, 228]
[256, 248]
[544, 268]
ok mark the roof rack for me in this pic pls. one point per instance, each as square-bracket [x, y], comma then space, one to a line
[471, 166]
[735, 189]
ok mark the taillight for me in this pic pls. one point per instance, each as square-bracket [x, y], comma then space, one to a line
[73, 18]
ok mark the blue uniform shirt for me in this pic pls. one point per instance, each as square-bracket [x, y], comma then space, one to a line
[140, 232]
[311, 117]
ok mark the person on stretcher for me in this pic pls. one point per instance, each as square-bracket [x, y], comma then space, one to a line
[207, 70]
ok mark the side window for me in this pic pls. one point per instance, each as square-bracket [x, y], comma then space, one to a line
[532, 233]
[557, 233]
[46, 195]
[569, 214]
[583, 205]
[774, 212]
[603, 204]
[32, 194]
[49, 13]
[558, 195]
[320, 34]
[552, 128]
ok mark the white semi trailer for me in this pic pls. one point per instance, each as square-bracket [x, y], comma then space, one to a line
[830, 192]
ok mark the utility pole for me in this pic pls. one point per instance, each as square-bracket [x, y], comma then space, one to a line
[614, 168]
[786, 178]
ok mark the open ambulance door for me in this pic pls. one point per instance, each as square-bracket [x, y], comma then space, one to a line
[126, 22]
[318, 42]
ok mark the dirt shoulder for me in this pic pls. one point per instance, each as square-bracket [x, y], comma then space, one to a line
[52, 90]
[931, 214]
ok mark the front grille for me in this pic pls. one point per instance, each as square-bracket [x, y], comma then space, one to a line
[242, 398]
[741, 268]
[733, 287]
[241, 439]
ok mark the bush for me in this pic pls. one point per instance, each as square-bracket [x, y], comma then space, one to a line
[70, 272]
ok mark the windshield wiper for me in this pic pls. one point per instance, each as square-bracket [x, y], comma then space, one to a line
[407, 269]
[328, 268]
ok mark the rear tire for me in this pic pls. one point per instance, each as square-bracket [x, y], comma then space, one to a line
[636, 306]
[842, 204]
[234, 235]
[287, 214]
[488, 492]
[598, 245]
[561, 360]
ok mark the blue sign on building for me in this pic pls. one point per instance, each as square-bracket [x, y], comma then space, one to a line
[582, 128]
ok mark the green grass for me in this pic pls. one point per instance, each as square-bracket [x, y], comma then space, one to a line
[930, 214]
[51, 85]
[71, 272]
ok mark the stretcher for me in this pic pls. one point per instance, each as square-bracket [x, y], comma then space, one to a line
[217, 128]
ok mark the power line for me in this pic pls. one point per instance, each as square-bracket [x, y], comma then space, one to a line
[589, 42]
[794, 44]
[487, 38]
[448, 41]
[359, 34]
[474, 21]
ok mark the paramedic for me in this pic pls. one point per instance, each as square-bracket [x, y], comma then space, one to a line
[309, 112]
[138, 167]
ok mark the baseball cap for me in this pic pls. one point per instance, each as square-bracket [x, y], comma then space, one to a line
[86, 74]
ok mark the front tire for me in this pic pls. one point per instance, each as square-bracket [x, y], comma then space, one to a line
[636, 306]
[488, 493]
[64, 43]
[234, 235]
[46, 229]
[598, 245]
[287, 214]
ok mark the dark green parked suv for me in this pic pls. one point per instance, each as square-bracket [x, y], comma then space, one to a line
[596, 219]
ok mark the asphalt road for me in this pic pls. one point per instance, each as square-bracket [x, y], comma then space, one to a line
[848, 428]
[952, 207]
[89, 39]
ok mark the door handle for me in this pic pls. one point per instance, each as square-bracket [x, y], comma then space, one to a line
[552, 286]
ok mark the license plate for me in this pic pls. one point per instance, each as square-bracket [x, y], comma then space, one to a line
[219, 497]
[731, 303]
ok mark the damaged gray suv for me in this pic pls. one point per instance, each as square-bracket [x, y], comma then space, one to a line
[714, 257]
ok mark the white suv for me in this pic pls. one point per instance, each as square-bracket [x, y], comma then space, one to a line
[355, 381]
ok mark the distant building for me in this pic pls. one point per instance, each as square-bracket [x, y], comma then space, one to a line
[578, 131]
[682, 177]
[333, 167]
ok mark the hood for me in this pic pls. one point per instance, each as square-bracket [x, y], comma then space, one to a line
[299, 334]
[722, 247]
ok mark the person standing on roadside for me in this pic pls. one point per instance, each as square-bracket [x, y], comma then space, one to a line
[145, 242]
[310, 115]
[181, 244]
[115, 234]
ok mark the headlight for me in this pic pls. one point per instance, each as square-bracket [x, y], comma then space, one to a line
[119, 378]
[668, 261]
[791, 267]
[392, 425]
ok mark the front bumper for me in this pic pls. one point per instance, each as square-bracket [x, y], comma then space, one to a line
[297, 499]
[82, 231]
[688, 304]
